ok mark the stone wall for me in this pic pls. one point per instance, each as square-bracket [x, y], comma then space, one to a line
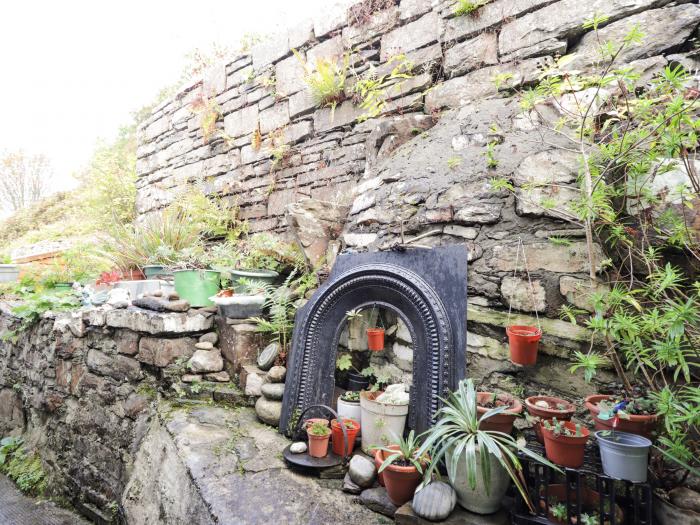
[81, 388]
[423, 168]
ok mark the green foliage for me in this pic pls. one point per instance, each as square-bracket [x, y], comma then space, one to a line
[280, 302]
[372, 90]
[210, 215]
[319, 428]
[467, 7]
[491, 160]
[408, 451]
[454, 162]
[22, 467]
[559, 511]
[35, 304]
[457, 433]
[326, 80]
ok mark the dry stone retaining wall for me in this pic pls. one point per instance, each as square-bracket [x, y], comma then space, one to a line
[421, 167]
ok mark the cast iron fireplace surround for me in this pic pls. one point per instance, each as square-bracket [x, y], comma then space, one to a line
[427, 288]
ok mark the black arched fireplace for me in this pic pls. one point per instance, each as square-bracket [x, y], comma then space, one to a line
[426, 288]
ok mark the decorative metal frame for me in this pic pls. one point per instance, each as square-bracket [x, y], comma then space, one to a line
[398, 282]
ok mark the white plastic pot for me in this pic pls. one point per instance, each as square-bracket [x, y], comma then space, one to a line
[9, 273]
[477, 500]
[382, 424]
[348, 409]
[239, 306]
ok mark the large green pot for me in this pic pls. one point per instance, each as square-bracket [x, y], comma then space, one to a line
[262, 277]
[156, 271]
[197, 286]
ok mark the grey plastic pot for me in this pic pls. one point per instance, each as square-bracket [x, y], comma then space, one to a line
[624, 456]
[239, 306]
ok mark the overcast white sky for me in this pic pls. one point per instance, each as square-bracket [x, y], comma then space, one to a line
[74, 70]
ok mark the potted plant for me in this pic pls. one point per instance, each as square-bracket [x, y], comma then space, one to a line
[383, 416]
[352, 427]
[503, 420]
[349, 405]
[565, 442]
[623, 455]
[635, 415]
[402, 467]
[8, 272]
[548, 407]
[589, 499]
[243, 303]
[194, 282]
[523, 342]
[318, 433]
[375, 335]
[357, 379]
[459, 439]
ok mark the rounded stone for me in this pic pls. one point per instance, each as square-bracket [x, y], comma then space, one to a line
[206, 361]
[435, 501]
[273, 391]
[277, 374]
[268, 411]
[298, 448]
[362, 471]
[211, 337]
[268, 356]
[204, 346]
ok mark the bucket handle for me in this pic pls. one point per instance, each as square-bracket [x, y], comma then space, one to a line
[346, 443]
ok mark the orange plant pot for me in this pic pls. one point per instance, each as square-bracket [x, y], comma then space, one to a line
[502, 422]
[523, 342]
[564, 414]
[635, 424]
[378, 460]
[400, 482]
[565, 450]
[375, 339]
[318, 445]
[337, 433]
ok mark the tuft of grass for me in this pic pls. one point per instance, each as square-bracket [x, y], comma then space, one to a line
[326, 80]
[467, 7]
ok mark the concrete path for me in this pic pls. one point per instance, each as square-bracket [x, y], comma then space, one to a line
[18, 509]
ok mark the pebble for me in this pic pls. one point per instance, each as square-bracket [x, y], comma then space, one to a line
[378, 501]
[362, 471]
[277, 374]
[273, 391]
[204, 346]
[298, 448]
[211, 337]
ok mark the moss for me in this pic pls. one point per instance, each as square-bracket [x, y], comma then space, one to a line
[26, 470]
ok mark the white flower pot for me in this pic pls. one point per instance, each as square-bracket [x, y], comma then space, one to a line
[477, 500]
[9, 273]
[348, 409]
[382, 424]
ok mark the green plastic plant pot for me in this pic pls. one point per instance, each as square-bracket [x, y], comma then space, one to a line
[197, 286]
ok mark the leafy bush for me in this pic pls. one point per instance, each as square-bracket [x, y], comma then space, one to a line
[326, 80]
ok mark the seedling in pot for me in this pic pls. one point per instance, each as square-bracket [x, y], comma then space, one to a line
[559, 429]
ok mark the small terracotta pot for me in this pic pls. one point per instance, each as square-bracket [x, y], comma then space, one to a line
[636, 424]
[502, 422]
[133, 275]
[589, 498]
[337, 432]
[565, 450]
[375, 339]
[564, 414]
[318, 445]
[523, 342]
[378, 463]
[400, 482]
[312, 420]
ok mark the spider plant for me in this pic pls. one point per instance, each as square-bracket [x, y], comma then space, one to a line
[457, 434]
[407, 449]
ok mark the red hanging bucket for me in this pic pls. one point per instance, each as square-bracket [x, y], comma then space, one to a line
[523, 342]
[375, 339]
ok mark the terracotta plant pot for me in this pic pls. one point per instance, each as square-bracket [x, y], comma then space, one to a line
[566, 451]
[375, 339]
[400, 482]
[562, 414]
[641, 425]
[313, 420]
[523, 342]
[378, 463]
[132, 275]
[318, 445]
[589, 500]
[502, 422]
[337, 432]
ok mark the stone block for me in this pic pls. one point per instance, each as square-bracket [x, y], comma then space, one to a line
[139, 320]
[379, 23]
[300, 34]
[464, 232]
[289, 75]
[521, 295]
[163, 352]
[270, 50]
[472, 54]
[314, 224]
[301, 103]
[547, 256]
[214, 81]
[119, 367]
[563, 20]
[489, 16]
[332, 17]
[487, 347]
[411, 36]
[274, 117]
[241, 122]
[578, 291]
[127, 342]
[346, 113]
[252, 379]
[412, 8]
[240, 344]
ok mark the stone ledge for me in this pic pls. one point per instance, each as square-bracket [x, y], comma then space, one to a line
[146, 321]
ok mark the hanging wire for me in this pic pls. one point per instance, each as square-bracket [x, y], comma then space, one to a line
[521, 246]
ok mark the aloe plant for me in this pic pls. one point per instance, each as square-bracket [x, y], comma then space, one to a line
[457, 431]
[408, 449]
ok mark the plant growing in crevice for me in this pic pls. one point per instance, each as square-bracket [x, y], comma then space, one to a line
[277, 148]
[468, 7]
[361, 13]
[326, 80]
[22, 466]
[372, 91]
[209, 112]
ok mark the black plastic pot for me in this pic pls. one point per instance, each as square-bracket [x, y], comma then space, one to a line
[357, 382]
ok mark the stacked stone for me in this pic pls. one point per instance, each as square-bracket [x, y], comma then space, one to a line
[160, 301]
[269, 406]
[207, 363]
